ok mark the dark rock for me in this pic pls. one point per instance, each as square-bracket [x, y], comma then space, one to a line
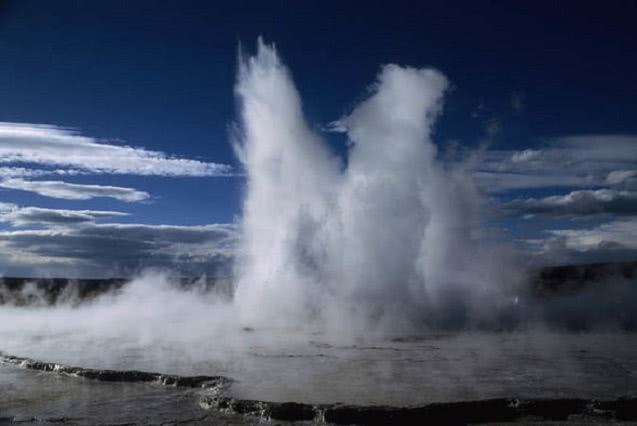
[500, 410]
[291, 411]
[245, 406]
[117, 376]
[570, 279]
[349, 415]
[554, 409]
[625, 409]
[456, 413]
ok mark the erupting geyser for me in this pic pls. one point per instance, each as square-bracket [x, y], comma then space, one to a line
[390, 241]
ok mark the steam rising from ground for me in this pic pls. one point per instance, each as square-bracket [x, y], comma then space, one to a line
[388, 242]
[149, 323]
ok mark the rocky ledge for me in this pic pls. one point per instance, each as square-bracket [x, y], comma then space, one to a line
[123, 376]
[450, 413]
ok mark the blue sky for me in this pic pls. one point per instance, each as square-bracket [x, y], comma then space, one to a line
[144, 90]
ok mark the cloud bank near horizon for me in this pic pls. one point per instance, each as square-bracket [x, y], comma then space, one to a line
[71, 242]
[73, 245]
[582, 185]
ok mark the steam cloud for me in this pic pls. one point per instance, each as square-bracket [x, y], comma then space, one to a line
[389, 242]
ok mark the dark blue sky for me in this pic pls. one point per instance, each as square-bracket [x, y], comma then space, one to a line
[160, 75]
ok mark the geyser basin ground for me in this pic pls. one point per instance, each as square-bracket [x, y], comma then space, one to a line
[442, 368]
[154, 325]
[404, 372]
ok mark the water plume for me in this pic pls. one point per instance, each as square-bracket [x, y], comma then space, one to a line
[389, 241]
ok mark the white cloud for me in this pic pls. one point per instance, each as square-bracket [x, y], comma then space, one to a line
[29, 216]
[585, 161]
[619, 177]
[526, 156]
[599, 173]
[72, 191]
[611, 241]
[577, 203]
[5, 207]
[621, 232]
[23, 172]
[51, 146]
[14, 172]
[119, 249]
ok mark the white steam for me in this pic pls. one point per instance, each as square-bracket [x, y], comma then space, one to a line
[388, 242]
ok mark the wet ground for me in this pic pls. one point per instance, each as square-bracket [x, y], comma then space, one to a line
[405, 372]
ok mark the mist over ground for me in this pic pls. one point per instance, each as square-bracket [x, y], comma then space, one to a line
[387, 240]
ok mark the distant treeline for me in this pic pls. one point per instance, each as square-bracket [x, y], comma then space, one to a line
[573, 278]
[50, 291]
[545, 282]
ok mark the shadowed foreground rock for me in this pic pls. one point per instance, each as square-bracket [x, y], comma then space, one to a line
[452, 413]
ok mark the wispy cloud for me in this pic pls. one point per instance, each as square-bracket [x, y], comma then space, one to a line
[51, 146]
[585, 161]
[5, 207]
[36, 216]
[73, 191]
[23, 172]
[622, 177]
[518, 102]
[577, 203]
